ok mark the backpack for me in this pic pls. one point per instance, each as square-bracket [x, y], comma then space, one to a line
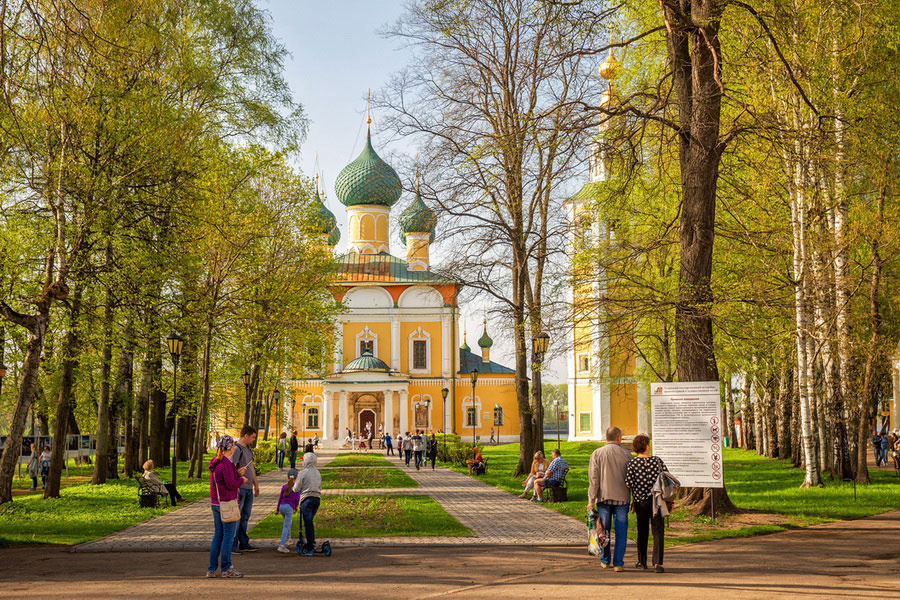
[669, 485]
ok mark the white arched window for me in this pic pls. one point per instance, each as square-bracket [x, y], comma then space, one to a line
[419, 352]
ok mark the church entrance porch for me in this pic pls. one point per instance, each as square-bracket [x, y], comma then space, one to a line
[366, 422]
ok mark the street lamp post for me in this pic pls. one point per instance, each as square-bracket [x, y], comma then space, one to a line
[539, 348]
[474, 376]
[427, 412]
[303, 422]
[556, 406]
[246, 379]
[176, 345]
[498, 422]
[276, 397]
[444, 393]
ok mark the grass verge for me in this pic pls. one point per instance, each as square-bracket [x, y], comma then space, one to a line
[768, 491]
[85, 512]
[371, 516]
[366, 477]
[360, 459]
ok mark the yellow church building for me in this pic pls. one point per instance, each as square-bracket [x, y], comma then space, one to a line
[396, 344]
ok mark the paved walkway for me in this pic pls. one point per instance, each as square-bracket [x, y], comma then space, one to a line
[494, 516]
[188, 528]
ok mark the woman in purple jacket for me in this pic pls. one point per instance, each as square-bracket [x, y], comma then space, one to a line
[224, 481]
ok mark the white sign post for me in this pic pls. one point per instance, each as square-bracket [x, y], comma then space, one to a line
[687, 431]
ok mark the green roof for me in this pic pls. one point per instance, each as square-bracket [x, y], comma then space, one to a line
[366, 362]
[468, 362]
[368, 180]
[323, 219]
[382, 268]
[590, 191]
[485, 340]
[417, 218]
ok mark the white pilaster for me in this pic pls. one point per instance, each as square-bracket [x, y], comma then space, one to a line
[338, 346]
[896, 422]
[404, 412]
[326, 415]
[395, 343]
[446, 343]
[342, 415]
[389, 413]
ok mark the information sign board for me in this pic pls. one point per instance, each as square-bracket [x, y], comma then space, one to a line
[687, 431]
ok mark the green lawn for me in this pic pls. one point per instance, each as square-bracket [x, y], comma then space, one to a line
[371, 516]
[366, 477]
[360, 459]
[767, 489]
[85, 512]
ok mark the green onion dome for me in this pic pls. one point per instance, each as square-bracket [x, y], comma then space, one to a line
[323, 219]
[485, 341]
[334, 237]
[368, 180]
[465, 347]
[367, 362]
[417, 218]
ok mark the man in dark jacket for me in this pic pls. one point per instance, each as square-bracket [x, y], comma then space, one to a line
[295, 445]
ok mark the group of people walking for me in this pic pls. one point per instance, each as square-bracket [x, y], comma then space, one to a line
[417, 447]
[887, 448]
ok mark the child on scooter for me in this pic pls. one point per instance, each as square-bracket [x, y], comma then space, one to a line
[309, 487]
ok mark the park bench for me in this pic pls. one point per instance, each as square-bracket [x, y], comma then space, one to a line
[148, 498]
[558, 493]
[481, 470]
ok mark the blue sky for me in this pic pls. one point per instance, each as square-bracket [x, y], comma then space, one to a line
[336, 56]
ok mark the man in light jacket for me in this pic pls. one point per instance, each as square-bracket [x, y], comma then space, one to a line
[309, 485]
[609, 494]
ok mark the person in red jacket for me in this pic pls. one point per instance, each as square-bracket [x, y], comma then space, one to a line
[225, 480]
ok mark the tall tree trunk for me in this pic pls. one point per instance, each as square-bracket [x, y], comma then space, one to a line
[729, 410]
[101, 459]
[200, 433]
[122, 397]
[783, 413]
[746, 420]
[64, 403]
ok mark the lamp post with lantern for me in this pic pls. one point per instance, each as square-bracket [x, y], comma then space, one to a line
[474, 376]
[246, 379]
[176, 345]
[556, 406]
[540, 342]
[498, 422]
[444, 393]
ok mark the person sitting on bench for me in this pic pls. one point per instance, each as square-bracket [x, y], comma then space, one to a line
[476, 465]
[552, 477]
[159, 486]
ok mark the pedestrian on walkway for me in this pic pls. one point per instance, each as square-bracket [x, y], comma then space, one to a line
[885, 447]
[295, 445]
[34, 466]
[493, 441]
[407, 448]
[281, 448]
[315, 441]
[876, 446]
[348, 438]
[431, 450]
[45, 457]
[389, 443]
[641, 473]
[225, 479]
[309, 488]
[418, 448]
[609, 494]
[288, 503]
[243, 458]
[538, 467]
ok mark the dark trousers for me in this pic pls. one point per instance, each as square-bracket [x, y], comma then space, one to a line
[173, 493]
[408, 455]
[279, 458]
[646, 520]
[245, 499]
[293, 459]
[308, 509]
[419, 458]
[390, 449]
[433, 457]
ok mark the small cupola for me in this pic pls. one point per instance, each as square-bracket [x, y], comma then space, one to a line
[417, 224]
[324, 222]
[485, 342]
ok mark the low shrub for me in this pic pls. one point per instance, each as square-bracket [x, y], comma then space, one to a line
[264, 451]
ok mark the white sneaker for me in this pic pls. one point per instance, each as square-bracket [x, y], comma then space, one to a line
[283, 549]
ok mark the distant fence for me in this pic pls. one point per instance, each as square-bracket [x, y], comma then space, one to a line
[77, 446]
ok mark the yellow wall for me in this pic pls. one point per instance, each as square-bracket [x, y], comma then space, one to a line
[433, 328]
[623, 408]
[583, 403]
[489, 395]
[382, 330]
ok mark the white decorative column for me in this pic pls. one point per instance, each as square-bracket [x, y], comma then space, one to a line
[395, 342]
[338, 347]
[326, 415]
[896, 406]
[447, 344]
[342, 415]
[389, 412]
[404, 412]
